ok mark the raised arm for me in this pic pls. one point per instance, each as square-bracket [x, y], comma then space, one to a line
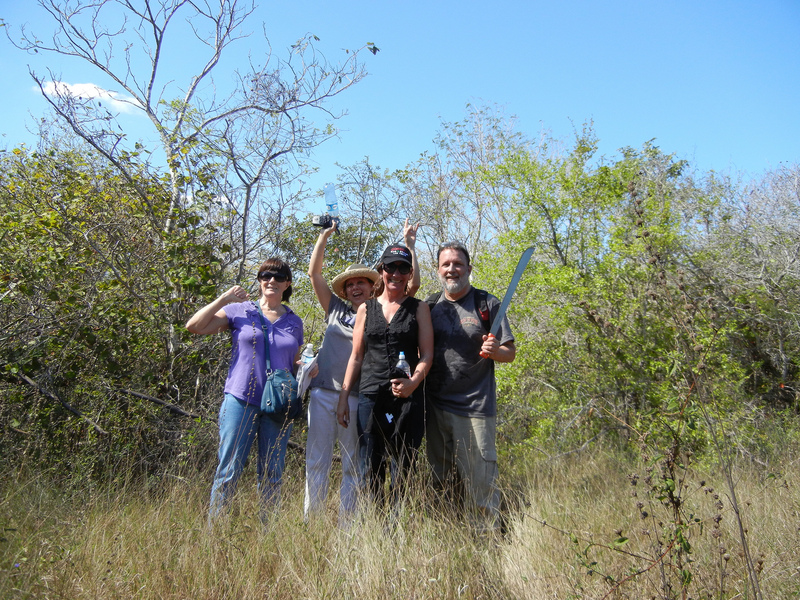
[318, 283]
[211, 318]
[410, 240]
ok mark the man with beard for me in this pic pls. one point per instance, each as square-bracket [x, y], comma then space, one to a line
[461, 391]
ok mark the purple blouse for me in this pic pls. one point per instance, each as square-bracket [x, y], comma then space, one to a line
[248, 362]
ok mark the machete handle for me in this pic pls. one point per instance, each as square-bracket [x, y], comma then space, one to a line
[483, 354]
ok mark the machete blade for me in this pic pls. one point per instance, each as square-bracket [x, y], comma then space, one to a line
[512, 287]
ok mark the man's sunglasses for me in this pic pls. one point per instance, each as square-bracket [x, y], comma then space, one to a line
[267, 275]
[404, 268]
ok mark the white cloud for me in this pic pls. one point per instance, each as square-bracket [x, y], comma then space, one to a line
[116, 101]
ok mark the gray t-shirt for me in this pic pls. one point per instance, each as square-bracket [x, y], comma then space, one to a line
[460, 381]
[336, 347]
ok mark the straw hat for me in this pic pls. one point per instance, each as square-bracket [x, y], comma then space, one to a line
[356, 270]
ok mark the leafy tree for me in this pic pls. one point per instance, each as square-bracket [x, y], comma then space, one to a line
[87, 310]
[623, 327]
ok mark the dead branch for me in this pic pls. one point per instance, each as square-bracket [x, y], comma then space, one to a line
[171, 407]
[67, 405]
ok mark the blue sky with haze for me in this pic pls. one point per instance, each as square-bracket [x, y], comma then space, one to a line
[715, 82]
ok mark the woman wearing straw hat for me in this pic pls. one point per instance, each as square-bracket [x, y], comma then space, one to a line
[348, 290]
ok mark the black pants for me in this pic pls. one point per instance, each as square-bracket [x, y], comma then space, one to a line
[389, 428]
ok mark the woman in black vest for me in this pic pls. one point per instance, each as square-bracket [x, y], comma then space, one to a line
[391, 409]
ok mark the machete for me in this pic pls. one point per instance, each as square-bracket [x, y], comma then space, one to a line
[512, 287]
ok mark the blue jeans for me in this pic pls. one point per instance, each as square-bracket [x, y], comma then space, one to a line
[239, 424]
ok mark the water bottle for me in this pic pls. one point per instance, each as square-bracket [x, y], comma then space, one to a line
[331, 203]
[403, 365]
[308, 354]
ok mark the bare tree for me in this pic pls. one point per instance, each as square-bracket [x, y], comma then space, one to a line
[754, 266]
[377, 205]
[261, 118]
[219, 140]
[454, 191]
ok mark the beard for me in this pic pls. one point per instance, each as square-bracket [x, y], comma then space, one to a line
[454, 287]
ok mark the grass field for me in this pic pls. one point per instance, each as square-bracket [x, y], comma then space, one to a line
[574, 530]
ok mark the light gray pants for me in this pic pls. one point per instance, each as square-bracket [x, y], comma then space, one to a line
[462, 451]
[323, 431]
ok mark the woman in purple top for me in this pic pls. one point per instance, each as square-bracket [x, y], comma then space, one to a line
[240, 417]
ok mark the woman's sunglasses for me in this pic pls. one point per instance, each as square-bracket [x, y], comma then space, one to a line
[267, 275]
[404, 268]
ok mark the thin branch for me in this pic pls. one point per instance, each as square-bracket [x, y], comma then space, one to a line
[171, 407]
[69, 407]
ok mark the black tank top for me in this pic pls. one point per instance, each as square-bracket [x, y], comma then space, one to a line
[384, 342]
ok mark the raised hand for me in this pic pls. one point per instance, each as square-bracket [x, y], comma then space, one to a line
[410, 234]
[235, 294]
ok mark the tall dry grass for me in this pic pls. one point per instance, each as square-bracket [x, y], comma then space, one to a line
[564, 544]
[138, 541]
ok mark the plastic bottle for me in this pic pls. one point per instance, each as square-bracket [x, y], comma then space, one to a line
[331, 203]
[308, 354]
[403, 365]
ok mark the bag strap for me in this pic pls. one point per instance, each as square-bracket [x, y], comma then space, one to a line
[433, 299]
[266, 336]
[483, 308]
[482, 304]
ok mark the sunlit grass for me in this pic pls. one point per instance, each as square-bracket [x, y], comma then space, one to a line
[154, 542]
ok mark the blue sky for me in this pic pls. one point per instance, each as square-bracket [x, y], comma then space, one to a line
[714, 82]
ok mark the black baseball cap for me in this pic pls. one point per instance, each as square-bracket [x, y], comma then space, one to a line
[396, 253]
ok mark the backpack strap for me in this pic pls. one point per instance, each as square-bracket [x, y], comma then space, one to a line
[482, 301]
[483, 308]
[433, 299]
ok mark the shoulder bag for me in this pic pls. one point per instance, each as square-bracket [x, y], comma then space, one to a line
[279, 401]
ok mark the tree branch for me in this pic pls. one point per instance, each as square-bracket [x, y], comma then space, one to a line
[171, 407]
[54, 396]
